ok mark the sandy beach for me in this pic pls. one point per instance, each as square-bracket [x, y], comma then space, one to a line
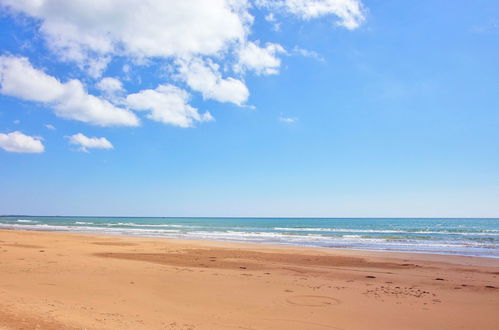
[76, 281]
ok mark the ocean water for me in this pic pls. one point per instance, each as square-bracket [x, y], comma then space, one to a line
[475, 237]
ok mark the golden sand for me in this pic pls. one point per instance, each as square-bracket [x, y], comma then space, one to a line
[74, 281]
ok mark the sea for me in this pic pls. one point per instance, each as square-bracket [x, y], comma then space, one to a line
[462, 236]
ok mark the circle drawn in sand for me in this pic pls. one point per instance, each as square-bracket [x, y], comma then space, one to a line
[312, 301]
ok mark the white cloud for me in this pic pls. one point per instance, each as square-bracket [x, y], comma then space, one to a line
[308, 53]
[85, 142]
[96, 66]
[204, 77]
[206, 42]
[288, 120]
[50, 127]
[79, 105]
[262, 60]
[19, 142]
[68, 100]
[112, 89]
[82, 29]
[349, 12]
[110, 85]
[18, 78]
[167, 104]
[271, 19]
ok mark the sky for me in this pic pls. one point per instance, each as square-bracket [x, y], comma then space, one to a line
[284, 108]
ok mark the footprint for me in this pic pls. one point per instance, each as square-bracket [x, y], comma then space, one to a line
[313, 301]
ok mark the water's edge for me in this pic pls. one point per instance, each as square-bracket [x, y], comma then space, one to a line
[467, 237]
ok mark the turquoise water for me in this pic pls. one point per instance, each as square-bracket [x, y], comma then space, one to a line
[476, 237]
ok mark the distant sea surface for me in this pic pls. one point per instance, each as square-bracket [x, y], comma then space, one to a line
[473, 237]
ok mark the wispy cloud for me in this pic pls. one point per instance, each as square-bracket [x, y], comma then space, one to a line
[490, 26]
[349, 13]
[288, 120]
[308, 53]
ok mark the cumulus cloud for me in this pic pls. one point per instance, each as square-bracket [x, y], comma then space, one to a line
[69, 100]
[204, 77]
[81, 29]
[262, 60]
[350, 13]
[167, 104]
[110, 85]
[85, 142]
[18, 78]
[19, 142]
[207, 43]
[50, 127]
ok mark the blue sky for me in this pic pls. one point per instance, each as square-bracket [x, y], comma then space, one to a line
[330, 108]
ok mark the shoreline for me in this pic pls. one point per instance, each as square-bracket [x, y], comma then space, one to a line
[255, 245]
[361, 249]
[93, 281]
[439, 257]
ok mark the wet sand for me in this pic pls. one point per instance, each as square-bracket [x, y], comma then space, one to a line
[76, 281]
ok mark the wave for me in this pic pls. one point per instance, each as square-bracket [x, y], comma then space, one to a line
[101, 230]
[233, 234]
[131, 224]
[389, 231]
[26, 221]
[392, 243]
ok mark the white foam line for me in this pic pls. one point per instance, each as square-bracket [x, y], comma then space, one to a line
[352, 230]
[269, 237]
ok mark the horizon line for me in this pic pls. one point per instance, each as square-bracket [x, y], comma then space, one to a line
[233, 217]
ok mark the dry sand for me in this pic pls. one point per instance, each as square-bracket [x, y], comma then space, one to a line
[67, 281]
